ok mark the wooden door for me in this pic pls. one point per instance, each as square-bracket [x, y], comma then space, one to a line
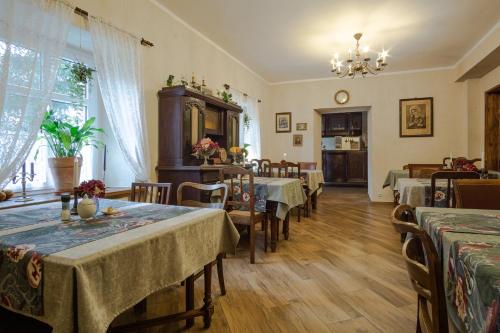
[334, 167]
[492, 130]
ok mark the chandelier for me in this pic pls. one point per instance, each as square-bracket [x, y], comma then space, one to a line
[360, 63]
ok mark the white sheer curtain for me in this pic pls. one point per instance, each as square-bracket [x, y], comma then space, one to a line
[32, 38]
[117, 58]
[250, 135]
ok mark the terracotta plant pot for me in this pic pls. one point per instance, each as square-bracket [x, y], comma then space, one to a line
[61, 169]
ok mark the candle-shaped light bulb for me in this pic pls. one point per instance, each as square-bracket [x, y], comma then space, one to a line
[350, 53]
[32, 169]
[24, 169]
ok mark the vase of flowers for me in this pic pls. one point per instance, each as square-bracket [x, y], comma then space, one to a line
[204, 149]
[236, 153]
[92, 189]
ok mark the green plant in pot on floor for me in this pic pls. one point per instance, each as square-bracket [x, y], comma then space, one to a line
[66, 141]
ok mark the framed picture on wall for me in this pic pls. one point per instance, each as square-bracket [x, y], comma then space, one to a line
[301, 126]
[416, 117]
[297, 140]
[283, 122]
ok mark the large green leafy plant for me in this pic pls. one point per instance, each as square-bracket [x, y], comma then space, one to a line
[66, 139]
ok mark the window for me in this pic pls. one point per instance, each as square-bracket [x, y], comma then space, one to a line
[64, 106]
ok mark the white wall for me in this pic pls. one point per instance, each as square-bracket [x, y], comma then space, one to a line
[386, 150]
[178, 50]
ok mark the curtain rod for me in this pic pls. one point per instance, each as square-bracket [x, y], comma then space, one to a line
[85, 14]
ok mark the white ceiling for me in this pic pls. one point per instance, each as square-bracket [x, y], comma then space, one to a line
[285, 40]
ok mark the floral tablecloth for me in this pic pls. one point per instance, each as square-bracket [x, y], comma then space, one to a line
[416, 192]
[468, 242]
[287, 192]
[47, 267]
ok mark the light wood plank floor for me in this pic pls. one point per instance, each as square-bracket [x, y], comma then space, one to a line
[341, 271]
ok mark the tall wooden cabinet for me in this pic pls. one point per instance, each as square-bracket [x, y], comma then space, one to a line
[184, 117]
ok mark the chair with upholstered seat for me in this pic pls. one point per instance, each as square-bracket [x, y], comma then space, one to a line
[448, 176]
[158, 193]
[425, 272]
[241, 203]
[477, 193]
[195, 203]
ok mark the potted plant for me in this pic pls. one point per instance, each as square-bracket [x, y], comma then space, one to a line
[66, 141]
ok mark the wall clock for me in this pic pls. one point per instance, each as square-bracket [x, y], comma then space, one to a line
[341, 97]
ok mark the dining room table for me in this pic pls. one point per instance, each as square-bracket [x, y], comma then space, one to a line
[468, 244]
[393, 175]
[79, 275]
[275, 196]
[313, 180]
[417, 192]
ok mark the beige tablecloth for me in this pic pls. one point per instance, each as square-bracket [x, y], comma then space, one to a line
[393, 176]
[114, 273]
[313, 179]
[416, 192]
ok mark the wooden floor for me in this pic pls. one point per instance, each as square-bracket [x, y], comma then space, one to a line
[341, 271]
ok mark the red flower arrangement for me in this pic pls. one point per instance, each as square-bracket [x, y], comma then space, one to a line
[92, 188]
[205, 148]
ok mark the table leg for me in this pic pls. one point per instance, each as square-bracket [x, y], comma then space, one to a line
[286, 226]
[189, 285]
[208, 307]
[274, 222]
[314, 199]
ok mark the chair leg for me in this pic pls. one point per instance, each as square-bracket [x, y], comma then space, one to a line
[298, 213]
[252, 242]
[265, 227]
[220, 274]
[418, 330]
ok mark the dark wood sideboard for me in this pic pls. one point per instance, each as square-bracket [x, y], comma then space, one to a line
[184, 117]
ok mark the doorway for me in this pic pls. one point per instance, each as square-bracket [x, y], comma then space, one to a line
[492, 129]
[344, 146]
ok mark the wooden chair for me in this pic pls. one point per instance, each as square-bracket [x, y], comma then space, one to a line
[401, 217]
[423, 170]
[158, 193]
[449, 175]
[477, 193]
[195, 203]
[425, 271]
[308, 165]
[241, 204]
[260, 166]
[275, 170]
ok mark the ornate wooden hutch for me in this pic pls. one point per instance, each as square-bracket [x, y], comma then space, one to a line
[184, 117]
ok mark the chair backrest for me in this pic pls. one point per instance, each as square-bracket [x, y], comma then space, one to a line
[203, 187]
[448, 176]
[459, 162]
[260, 166]
[425, 272]
[241, 188]
[292, 170]
[403, 218]
[477, 193]
[308, 165]
[423, 170]
[158, 193]
[275, 170]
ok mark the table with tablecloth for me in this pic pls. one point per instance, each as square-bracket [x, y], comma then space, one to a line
[416, 192]
[88, 272]
[314, 181]
[276, 196]
[468, 243]
[394, 175]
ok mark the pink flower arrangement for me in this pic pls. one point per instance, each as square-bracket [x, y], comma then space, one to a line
[205, 148]
[92, 188]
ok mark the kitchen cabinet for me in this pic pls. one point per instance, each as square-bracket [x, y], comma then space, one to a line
[345, 167]
[342, 124]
